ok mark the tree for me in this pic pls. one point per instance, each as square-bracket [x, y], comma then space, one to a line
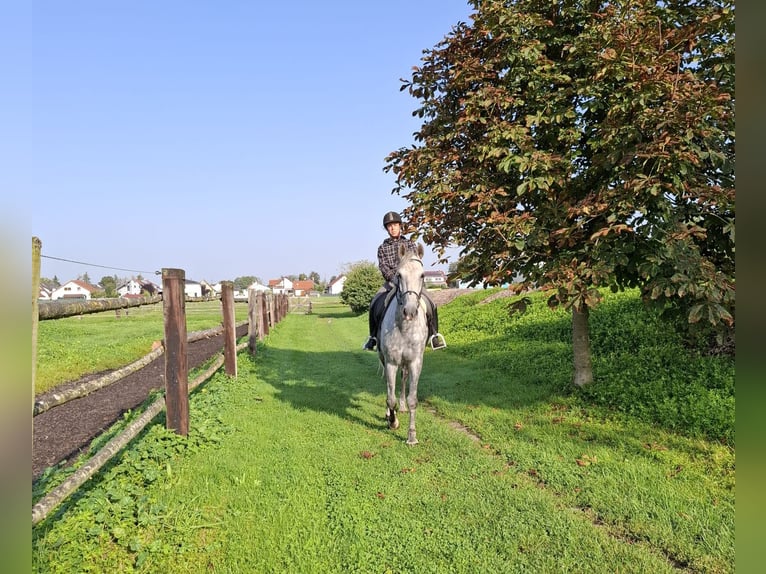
[50, 284]
[363, 279]
[581, 145]
[109, 283]
[242, 283]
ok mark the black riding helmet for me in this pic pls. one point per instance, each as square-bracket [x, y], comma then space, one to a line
[391, 217]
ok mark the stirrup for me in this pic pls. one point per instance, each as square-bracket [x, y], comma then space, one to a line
[440, 342]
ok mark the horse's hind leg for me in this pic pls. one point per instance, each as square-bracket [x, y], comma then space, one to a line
[402, 401]
[393, 422]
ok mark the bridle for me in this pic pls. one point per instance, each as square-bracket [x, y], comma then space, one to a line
[400, 295]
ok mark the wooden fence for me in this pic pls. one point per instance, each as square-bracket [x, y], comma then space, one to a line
[264, 311]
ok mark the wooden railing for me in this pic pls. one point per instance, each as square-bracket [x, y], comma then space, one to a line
[264, 311]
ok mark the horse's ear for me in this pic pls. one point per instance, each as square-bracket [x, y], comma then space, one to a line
[420, 251]
[402, 250]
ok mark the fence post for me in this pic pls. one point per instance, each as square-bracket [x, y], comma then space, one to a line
[252, 320]
[176, 369]
[260, 305]
[229, 329]
[267, 313]
[37, 247]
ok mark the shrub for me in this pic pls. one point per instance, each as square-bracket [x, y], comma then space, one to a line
[363, 280]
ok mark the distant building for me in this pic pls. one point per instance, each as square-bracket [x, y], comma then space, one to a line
[281, 286]
[303, 288]
[208, 290]
[435, 279]
[336, 285]
[258, 287]
[45, 294]
[138, 287]
[74, 289]
[192, 289]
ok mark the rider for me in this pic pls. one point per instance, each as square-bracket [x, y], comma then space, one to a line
[388, 262]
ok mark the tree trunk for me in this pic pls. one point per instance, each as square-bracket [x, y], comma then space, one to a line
[583, 371]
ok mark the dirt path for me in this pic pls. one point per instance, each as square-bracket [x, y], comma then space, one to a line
[64, 431]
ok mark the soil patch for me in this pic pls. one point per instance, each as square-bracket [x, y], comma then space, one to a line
[63, 432]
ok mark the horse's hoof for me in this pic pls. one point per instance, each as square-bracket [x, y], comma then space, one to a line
[393, 425]
[412, 441]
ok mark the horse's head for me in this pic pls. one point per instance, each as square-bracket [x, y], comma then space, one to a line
[409, 281]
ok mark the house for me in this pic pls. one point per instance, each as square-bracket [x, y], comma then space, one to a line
[336, 285]
[192, 289]
[208, 290]
[45, 294]
[258, 287]
[435, 279]
[281, 286]
[136, 287]
[74, 289]
[303, 288]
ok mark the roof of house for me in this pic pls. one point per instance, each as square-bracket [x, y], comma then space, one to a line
[337, 279]
[306, 285]
[83, 284]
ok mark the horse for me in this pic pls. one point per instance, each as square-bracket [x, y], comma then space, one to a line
[402, 337]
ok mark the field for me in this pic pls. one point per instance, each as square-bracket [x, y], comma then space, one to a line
[290, 468]
[73, 347]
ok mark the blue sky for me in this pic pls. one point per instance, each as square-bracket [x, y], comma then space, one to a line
[224, 138]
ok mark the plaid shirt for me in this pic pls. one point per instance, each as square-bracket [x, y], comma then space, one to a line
[388, 255]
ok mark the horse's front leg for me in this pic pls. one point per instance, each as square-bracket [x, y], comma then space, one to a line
[402, 401]
[412, 400]
[393, 421]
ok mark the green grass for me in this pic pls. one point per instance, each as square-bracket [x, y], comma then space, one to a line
[67, 348]
[289, 467]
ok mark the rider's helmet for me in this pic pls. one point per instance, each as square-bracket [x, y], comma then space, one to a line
[391, 217]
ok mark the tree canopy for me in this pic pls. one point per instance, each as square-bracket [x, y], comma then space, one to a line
[363, 279]
[243, 282]
[581, 144]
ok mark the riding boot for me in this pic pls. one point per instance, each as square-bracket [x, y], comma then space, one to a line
[369, 344]
[435, 338]
[373, 319]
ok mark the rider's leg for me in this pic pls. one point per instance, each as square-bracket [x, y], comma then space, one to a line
[435, 339]
[373, 320]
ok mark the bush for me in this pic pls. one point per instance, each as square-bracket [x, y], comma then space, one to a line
[363, 280]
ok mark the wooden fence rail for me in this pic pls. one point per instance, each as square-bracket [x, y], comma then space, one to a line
[61, 308]
[60, 397]
[264, 311]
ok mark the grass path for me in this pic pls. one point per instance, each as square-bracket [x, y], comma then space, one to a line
[304, 476]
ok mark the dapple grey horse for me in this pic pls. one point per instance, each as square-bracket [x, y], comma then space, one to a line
[402, 337]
